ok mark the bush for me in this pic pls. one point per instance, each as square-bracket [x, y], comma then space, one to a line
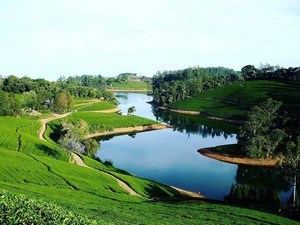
[17, 209]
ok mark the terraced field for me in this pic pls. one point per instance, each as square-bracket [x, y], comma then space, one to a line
[234, 101]
[99, 106]
[22, 135]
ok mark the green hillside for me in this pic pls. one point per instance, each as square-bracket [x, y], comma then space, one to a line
[41, 170]
[21, 134]
[235, 100]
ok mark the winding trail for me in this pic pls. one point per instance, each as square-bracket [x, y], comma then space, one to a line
[46, 120]
[79, 161]
[76, 158]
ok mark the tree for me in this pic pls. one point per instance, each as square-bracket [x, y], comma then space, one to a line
[131, 110]
[62, 102]
[259, 137]
[249, 72]
[91, 147]
[30, 100]
[73, 135]
[9, 105]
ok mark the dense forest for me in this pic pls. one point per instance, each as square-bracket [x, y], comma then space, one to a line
[171, 86]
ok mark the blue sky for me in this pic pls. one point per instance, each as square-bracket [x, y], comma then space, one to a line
[50, 38]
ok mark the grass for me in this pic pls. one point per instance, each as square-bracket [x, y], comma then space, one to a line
[99, 106]
[131, 85]
[238, 98]
[81, 100]
[22, 135]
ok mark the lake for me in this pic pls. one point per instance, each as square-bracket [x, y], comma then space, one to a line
[170, 156]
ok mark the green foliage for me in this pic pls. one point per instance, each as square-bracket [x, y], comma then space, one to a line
[73, 134]
[9, 105]
[99, 106]
[268, 72]
[171, 86]
[17, 209]
[257, 136]
[30, 100]
[91, 147]
[63, 102]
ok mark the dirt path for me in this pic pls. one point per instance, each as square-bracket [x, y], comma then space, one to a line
[45, 121]
[77, 160]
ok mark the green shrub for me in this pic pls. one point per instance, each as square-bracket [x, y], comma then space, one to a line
[17, 209]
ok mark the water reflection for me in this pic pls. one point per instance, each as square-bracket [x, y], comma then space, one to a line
[194, 124]
[263, 187]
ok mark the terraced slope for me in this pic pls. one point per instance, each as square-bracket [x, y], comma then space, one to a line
[234, 101]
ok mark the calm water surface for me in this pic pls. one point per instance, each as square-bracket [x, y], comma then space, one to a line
[170, 156]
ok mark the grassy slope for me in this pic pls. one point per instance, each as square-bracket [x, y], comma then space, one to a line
[110, 119]
[245, 94]
[98, 107]
[131, 85]
[94, 198]
[97, 195]
[22, 135]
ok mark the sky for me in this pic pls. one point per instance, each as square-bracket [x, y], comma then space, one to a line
[53, 38]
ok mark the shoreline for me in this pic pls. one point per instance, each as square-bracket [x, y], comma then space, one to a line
[208, 152]
[127, 130]
[196, 113]
[188, 193]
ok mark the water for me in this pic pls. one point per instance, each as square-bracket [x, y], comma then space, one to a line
[170, 156]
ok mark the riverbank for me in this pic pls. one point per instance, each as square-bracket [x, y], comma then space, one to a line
[188, 193]
[197, 113]
[125, 130]
[240, 160]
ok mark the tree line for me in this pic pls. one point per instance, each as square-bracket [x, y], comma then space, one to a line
[171, 86]
[43, 95]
